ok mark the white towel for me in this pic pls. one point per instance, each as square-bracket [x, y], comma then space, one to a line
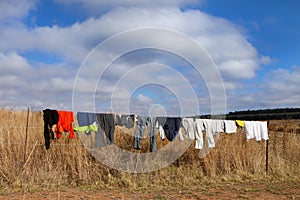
[217, 125]
[264, 130]
[209, 124]
[199, 128]
[161, 132]
[188, 125]
[249, 128]
[256, 130]
[230, 126]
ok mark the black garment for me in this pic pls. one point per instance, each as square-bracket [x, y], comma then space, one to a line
[50, 118]
[120, 120]
[125, 120]
[107, 124]
[129, 121]
[171, 126]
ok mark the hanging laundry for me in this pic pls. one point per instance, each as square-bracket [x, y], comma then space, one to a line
[107, 125]
[250, 129]
[160, 129]
[120, 119]
[99, 136]
[85, 118]
[90, 122]
[230, 126]
[171, 126]
[124, 120]
[199, 128]
[256, 130]
[210, 129]
[264, 130]
[159, 123]
[51, 118]
[217, 126]
[161, 132]
[240, 123]
[87, 129]
[86, 122]
[129, 121]
[142, 122]
[188, 125]
[64, 124]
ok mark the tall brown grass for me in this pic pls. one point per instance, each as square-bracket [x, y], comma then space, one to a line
[67, 163]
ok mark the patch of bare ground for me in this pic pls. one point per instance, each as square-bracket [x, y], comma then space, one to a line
[226, 190]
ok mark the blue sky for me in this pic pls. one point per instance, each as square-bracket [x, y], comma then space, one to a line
[272, 26]
[48, 55]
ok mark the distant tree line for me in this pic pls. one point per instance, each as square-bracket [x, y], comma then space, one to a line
[264, 114]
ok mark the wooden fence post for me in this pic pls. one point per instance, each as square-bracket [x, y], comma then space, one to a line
[267, 152]
[26, 134]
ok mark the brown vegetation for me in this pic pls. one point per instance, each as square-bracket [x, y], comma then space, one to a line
[67, 163]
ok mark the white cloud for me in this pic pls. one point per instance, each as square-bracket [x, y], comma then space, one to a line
[239, 69]
[143, 99]
[224, 42]
[98, 6]
[12, 63]
[279, 88]
[284, 84]
[12, 10]
[265, 60]
[23, 84]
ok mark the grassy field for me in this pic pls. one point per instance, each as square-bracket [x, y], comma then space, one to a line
[234, 165]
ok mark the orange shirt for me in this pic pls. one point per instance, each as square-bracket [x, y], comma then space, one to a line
[66, 118]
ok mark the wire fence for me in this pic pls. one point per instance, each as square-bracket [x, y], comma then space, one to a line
[22, 134]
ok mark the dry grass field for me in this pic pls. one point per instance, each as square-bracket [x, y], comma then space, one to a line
[233, 169]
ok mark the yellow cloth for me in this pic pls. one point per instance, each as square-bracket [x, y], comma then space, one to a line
[240, 123]
[89, 128]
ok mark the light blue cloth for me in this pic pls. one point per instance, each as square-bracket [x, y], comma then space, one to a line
[142, 121]
[85, 118]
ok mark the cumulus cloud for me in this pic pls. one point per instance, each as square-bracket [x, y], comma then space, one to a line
[12, 63]
[265, 60]
[25, 84]
[222, 40]
[11, 10]
[98, 6]
[234, 56]
[282, 87]
[279, 88]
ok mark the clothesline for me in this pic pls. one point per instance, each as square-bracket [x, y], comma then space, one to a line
[103, 125]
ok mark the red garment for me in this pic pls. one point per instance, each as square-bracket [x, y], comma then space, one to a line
[66, 118]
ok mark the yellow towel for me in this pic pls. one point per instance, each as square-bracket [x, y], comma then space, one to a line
[240, 123]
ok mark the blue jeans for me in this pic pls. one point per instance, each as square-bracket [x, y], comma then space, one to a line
[142, 121]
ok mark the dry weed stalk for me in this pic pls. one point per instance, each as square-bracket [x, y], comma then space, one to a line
[68, 163]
